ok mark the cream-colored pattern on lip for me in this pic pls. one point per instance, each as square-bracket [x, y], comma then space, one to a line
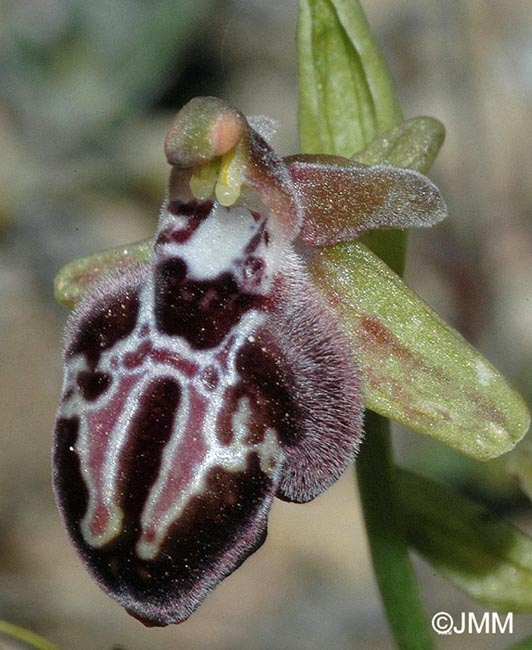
[217, 246]
[232, 457]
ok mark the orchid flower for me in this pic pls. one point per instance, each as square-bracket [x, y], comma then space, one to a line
[203, 383]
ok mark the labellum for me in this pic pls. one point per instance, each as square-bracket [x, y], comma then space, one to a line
[204, 383]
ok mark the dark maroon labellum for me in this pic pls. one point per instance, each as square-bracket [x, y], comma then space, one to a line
[201, 385]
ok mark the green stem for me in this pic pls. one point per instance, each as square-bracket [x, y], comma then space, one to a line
[377, 484]
[348, 98]
[389, 550]
[20, 634]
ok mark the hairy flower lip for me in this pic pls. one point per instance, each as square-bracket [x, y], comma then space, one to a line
[228, 380]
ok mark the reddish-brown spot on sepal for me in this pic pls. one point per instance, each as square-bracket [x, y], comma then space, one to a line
[341, 202]
[321, 384]
[373, 334]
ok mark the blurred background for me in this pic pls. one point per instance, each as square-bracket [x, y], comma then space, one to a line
[87, 92]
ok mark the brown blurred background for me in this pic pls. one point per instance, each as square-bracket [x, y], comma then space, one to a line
[87, 91]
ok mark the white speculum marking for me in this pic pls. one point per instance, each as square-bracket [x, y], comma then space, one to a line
[217, 244]
[212, 249]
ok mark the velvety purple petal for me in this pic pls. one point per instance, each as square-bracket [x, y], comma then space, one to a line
[321, 387]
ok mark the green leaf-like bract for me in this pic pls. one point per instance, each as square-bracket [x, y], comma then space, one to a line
[477, 551]
[347, 96]
[416, 369]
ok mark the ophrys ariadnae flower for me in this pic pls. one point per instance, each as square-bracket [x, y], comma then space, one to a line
[205, 382]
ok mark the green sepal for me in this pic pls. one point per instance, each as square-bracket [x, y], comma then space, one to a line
[412, 144]
[416, 369]
[78, 277]
[346, 93]
[471, 546]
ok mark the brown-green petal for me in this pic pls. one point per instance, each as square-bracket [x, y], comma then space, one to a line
[342, 202]
[416, 369]
[412, 144]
